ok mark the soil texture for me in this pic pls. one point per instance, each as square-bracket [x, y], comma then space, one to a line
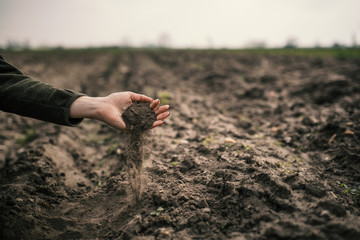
[256, 147]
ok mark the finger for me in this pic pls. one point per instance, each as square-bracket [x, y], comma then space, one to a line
[140, 98]
[162, 116]
[157, 123]
[162, 109]
[154, 105]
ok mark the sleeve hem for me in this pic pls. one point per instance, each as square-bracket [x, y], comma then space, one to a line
[72, 122]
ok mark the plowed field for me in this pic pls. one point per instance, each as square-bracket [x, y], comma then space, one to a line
[257, 147]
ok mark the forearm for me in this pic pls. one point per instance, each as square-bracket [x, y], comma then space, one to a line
[25, 96]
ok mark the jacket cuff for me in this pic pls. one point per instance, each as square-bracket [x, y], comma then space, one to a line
[73, 96]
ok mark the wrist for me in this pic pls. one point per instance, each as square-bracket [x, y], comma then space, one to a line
[84, 107]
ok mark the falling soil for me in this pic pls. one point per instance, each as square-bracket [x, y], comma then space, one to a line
[139, 118]
[257, 147]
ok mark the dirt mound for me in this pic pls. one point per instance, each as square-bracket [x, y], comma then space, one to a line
[258, 147]
[327, 92]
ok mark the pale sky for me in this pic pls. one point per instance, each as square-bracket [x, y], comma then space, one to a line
[181, 23]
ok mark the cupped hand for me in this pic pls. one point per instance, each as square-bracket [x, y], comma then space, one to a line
[109, 109]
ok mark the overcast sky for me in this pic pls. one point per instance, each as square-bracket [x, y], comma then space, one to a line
[179, 23]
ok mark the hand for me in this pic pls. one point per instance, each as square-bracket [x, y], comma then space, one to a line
[109, 109]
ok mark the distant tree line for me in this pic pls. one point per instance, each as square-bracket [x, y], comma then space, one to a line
[17, 45]
[164, 42]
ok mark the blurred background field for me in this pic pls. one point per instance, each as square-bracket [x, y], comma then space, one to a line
[339, 53]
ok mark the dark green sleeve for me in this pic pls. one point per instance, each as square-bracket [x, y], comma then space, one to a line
[25, 96]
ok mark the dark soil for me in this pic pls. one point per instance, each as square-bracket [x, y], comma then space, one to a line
[139, 118]
[257, 147]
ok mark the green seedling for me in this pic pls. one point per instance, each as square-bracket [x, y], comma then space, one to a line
[247, 147]
[278, 144]
[297, 159]
[175, 163]
[286, 165]
[158, 211]
[228, 145]
[349, 190]
[208, 141]
[28, 137]
[164, 97]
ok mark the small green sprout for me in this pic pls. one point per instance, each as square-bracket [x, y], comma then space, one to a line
[208, 141]
[349, 190]
[158, 211]
[247, 147]
[298, 159]
[164, 97]
[228, 146]
[285, 166]
[28, 137]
